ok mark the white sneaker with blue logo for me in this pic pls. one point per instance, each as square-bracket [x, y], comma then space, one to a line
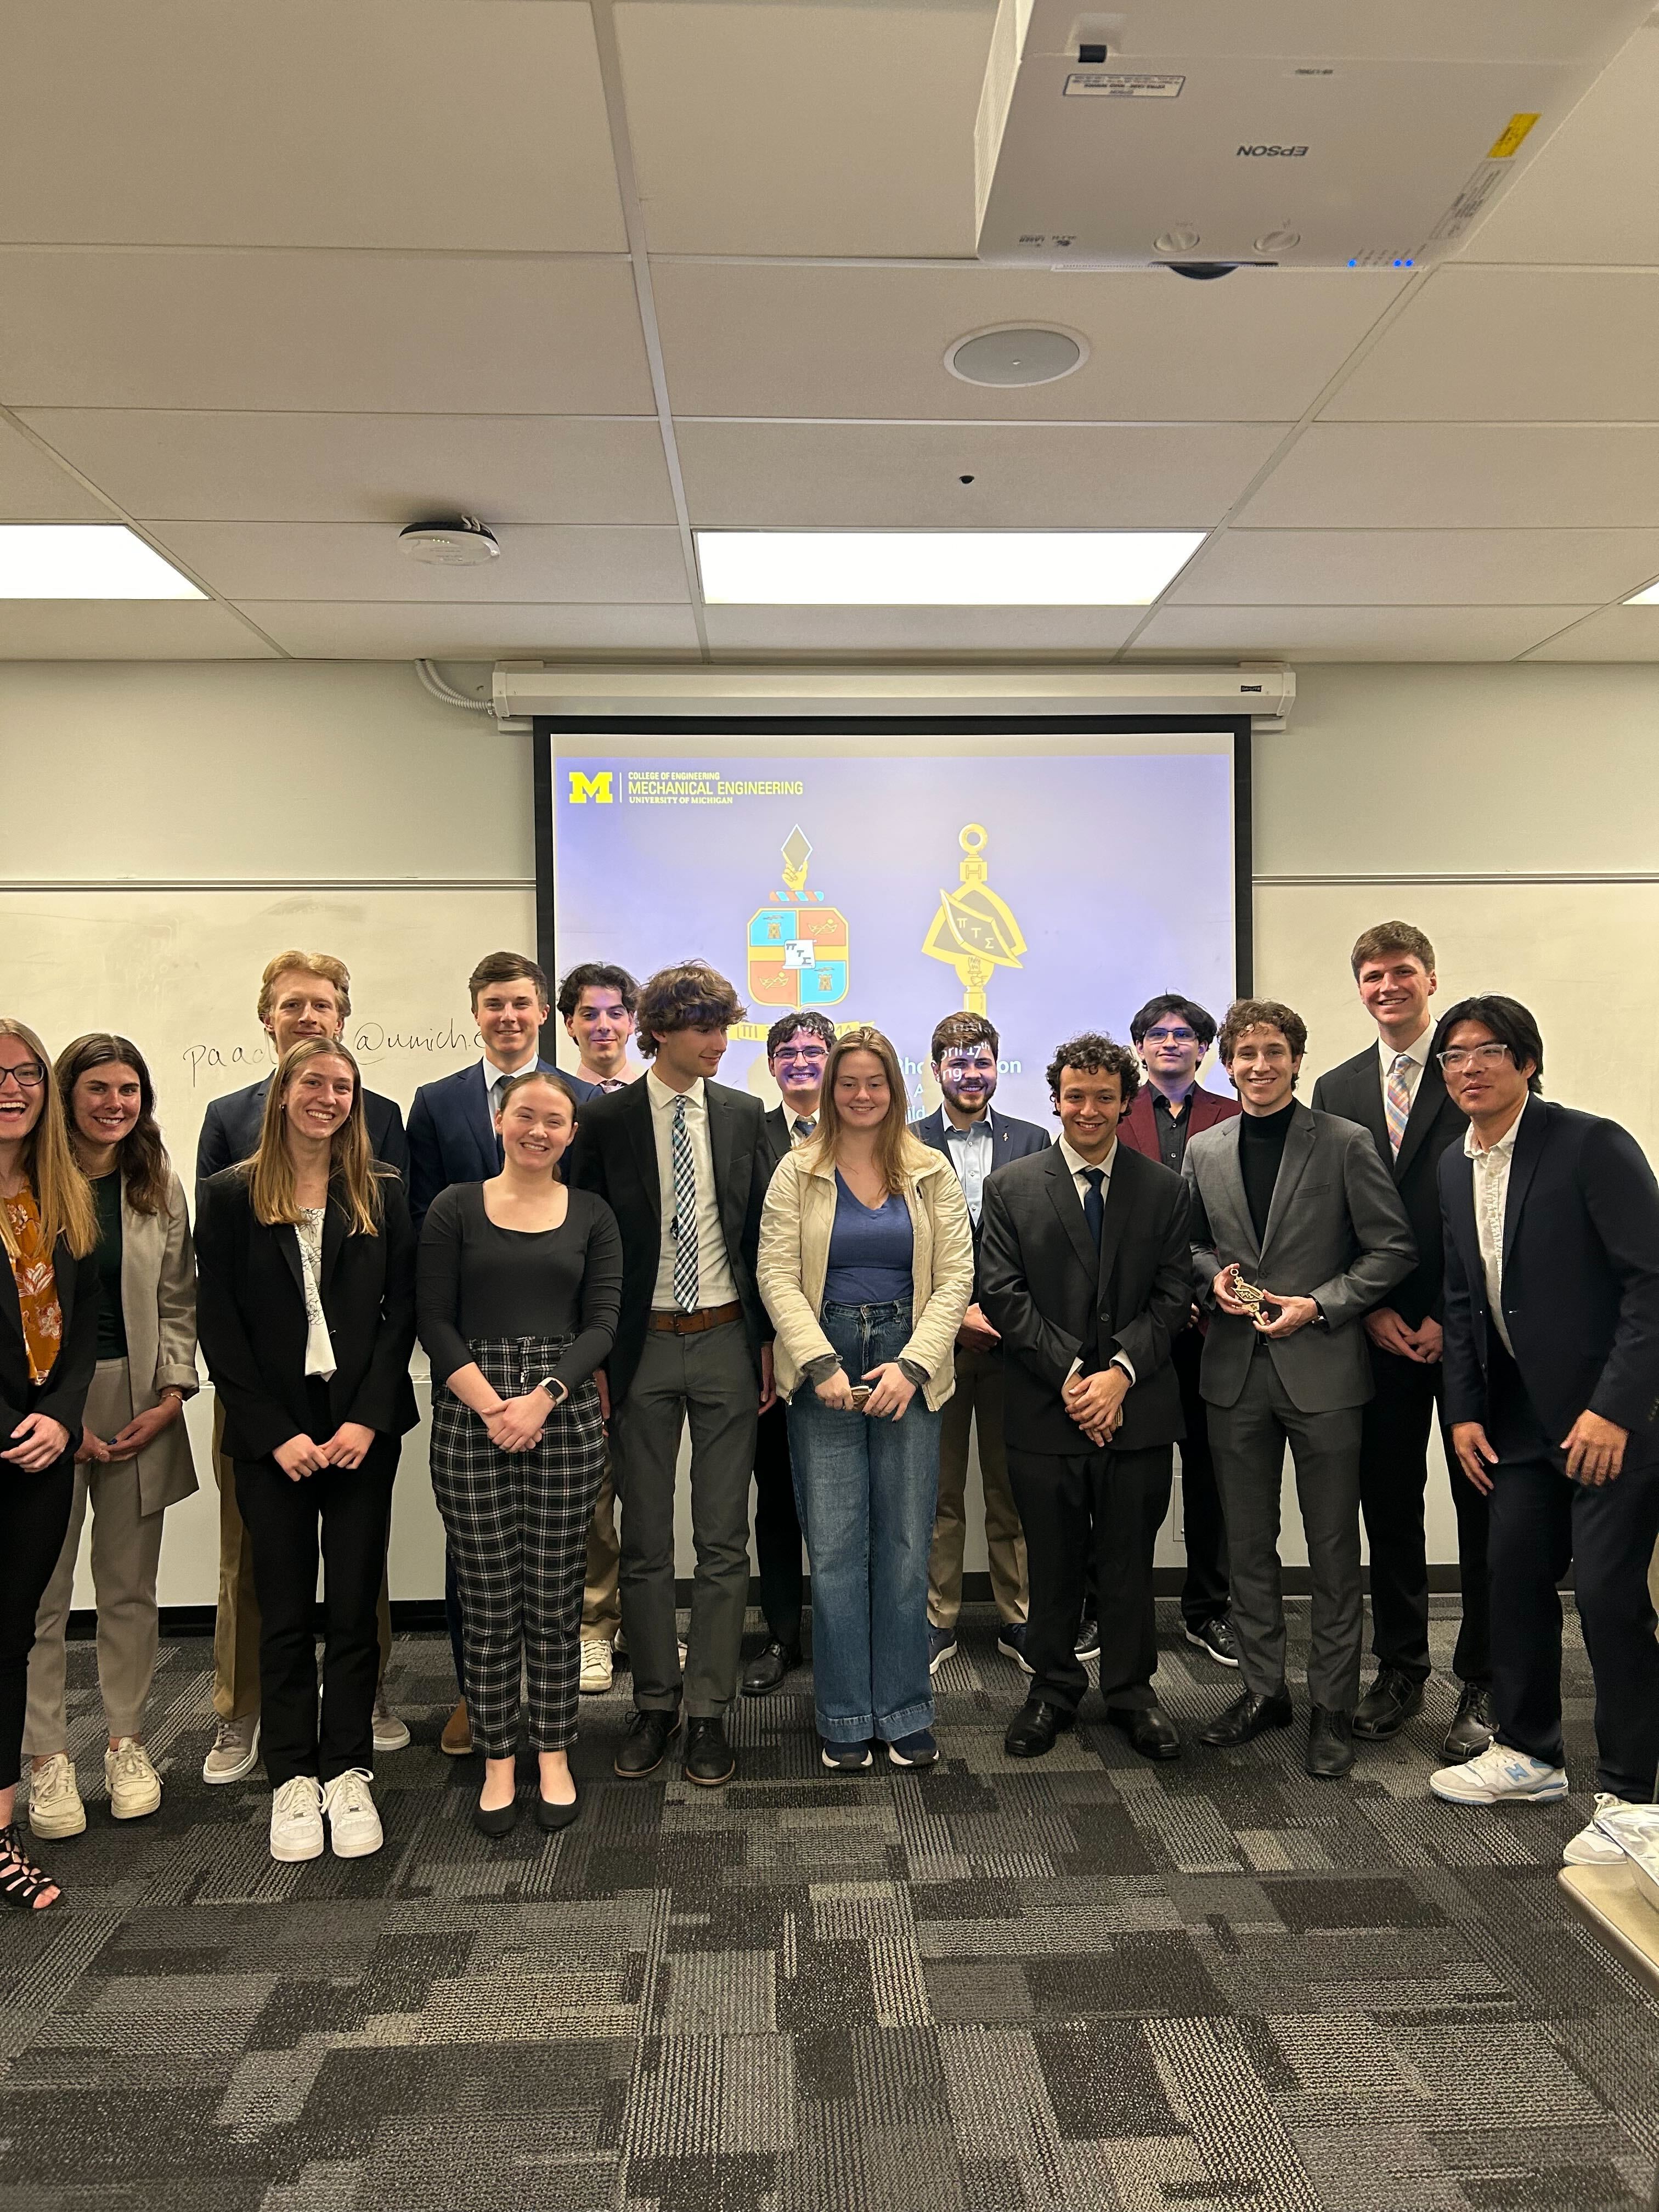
[1497, 1776]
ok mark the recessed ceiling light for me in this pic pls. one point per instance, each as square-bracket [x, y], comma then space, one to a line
[940, 568]
[1014, 356]
[1649, 598]
[85, 560]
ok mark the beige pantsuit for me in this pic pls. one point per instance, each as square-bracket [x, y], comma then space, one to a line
[975, 1403]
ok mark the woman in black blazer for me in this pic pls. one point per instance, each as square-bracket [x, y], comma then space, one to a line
[305, 1310]
[48, 1350]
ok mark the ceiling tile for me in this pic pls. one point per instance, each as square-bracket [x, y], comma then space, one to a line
[908, 475]
[363, 561]
[1615, 634]
[1414, 567]
[1513, 346]
[34, 488]
[836, 342]
[966, 632]
[1469, 475]
[125, 629]
[384, 123]
[346, 630]
[1436, 633]
[385, 333]
[392, 469]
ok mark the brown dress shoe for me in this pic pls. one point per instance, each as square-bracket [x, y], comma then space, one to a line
[457, 1738]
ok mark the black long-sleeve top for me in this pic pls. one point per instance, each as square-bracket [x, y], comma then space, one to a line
[477, 1280]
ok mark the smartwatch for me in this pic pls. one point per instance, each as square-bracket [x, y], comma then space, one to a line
[556, 1390]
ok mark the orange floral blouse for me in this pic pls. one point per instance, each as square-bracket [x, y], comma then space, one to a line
[37, 1286]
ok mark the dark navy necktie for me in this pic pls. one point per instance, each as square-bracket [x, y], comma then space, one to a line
[1094, 1205]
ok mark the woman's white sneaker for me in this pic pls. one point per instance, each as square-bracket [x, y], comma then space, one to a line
[354, 1826]
[1496, 1775]
[54, 1806]
[296, 1821]
[134, 1786]
[1591, 1846]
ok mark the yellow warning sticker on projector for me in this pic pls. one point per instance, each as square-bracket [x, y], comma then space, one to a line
[1512, 137]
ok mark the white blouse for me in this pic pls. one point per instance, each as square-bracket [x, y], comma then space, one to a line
[319, 1347]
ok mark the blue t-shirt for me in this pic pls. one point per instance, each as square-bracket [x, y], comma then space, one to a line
[870, 1251]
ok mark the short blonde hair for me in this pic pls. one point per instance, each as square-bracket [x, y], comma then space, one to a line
[323, 965]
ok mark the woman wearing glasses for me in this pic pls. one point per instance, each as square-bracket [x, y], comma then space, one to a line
[48, 1352]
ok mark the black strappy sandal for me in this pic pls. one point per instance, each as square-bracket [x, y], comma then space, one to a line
[20, 1881]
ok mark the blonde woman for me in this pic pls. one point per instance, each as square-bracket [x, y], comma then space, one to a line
[306, 1314]
[48, 1351]
[867, 1268]
[133, 1460]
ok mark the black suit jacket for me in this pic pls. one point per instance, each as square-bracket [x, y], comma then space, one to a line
[230, 1131]
[1354, 1091]
[1043, 1284]
[1580, 1276]
[1010, 1139]
[452, 1135]
[616, 1154]
[63, 1395]
[251, 1316]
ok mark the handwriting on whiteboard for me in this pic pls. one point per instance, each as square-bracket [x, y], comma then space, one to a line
[370, 1042]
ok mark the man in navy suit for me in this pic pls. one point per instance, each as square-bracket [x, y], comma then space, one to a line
[1552, 1356]
[976, 1141]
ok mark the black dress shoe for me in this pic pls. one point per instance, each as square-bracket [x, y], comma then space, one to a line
[1472, 1726]
[768, 1666]
[1388, 1704]
[551, 1818]
[1034, 1728]
[1248, 1716]
[498, 1820]
[1149, 1729]
[709, 1758]
[644, 1746]
[1330, 1744]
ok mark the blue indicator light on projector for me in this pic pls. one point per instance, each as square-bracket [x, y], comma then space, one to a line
[1353, 264]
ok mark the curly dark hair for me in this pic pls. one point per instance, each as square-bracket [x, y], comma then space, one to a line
[1197, 1018]
[808, 1018]
[1093, 1053]
[596, 975]
[141, 1157]
[690, 995]
[1261, 1014]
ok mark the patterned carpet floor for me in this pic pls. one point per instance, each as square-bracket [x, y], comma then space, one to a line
[1081, 1983]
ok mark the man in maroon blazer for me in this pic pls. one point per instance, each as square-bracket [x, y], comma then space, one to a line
[1172, 1035]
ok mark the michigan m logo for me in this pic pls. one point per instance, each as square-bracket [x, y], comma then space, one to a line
[596, 787]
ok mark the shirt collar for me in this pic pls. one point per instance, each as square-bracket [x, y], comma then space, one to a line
[493, 1070]
[1079, 1165]
[1506, 1144]
[973, 1128]
[1186, 1097]
[662, 1097]
[1418, 1052]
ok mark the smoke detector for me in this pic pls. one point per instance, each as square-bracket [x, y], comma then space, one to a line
[1014, 354]
[464, 543]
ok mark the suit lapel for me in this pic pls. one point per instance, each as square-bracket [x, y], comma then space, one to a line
[642, 1137]
[1118, 1200]
[1063, 1192]
[334, 1235]
[721, 1139]
[1431, 1097]
[1366, 1098]
[288, 1243]
[1232, 1177]
[1293, 1166]
[1464, 1231]
[1523, 1165]
[475, 1102]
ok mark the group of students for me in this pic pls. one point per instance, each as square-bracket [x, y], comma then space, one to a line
[833, 1301]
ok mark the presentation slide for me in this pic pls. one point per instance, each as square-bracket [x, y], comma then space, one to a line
[1052, 890]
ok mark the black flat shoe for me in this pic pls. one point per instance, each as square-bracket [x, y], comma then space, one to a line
[1388, 1704]
[1248, 1717]
[1032, 1730]
[1472, 1726]
[1149, 1729]
[551, 1818]
[709, 1758]
[646, 1745]
[768, 1666]
[1330, 1744]
[498, 1820]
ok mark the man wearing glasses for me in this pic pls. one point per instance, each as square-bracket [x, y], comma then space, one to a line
[1552, 1356]
[1172, 1035]
[976, 1142]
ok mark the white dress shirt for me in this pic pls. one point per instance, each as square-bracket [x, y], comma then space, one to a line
[1080, 1168]
[1417, 1059]
[714, 1284]
[492, 1075]
[1490, 1167]
[969, 1151]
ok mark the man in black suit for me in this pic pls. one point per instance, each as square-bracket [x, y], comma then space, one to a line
[977, 1141]
[798, 1047]
[1552, 1227]
[1394, 1089]
[302, 994]
[1084, 1269]
[683, 1164]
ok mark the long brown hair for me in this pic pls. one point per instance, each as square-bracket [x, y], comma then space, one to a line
[62, 1196]
[351, 1164]
[141, 1157]
[898, 1154]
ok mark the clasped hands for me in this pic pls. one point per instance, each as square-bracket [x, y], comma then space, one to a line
[302, 1455]
[139, 1432]
[1293, 1313]
[1095, 1402]
[891, 1391]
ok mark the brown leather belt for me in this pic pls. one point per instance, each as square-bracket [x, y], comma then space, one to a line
[674, 1323]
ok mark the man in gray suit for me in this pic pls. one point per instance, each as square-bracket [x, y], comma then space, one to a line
[1298, 1206]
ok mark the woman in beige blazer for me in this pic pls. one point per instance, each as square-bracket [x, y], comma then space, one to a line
[867, 1268]
[134, 1459]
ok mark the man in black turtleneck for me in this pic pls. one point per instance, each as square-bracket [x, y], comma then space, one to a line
[1299, 1205]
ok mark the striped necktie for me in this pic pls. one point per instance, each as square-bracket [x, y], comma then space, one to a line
[685, 1211]
[1397, 1100]
[803, 1129]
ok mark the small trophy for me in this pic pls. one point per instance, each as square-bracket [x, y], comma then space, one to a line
[1262, 1307]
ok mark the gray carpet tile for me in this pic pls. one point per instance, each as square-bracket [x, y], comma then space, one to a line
[1082, 1984]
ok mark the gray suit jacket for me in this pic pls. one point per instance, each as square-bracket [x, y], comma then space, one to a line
[1336, 1231]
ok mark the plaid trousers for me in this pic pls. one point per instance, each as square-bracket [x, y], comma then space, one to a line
[517, 1523]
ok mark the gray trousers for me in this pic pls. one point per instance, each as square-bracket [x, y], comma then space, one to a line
[1247, 1441]
[710, 1380]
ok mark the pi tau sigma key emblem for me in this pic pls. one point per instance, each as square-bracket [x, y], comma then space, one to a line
[797, 947]
[974, 931]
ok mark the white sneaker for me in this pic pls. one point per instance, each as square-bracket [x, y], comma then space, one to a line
[391, 1734]
[54, 1806]
[1592, 1846]
[235, 1751]
[134, 1786]
[354, 1826]
[1498, 1775]
[598, 1669]
[297, 1820]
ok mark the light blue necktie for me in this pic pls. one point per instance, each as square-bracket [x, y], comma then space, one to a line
[685, 1211]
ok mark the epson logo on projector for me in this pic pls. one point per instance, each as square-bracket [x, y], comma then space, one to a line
[1281, 153]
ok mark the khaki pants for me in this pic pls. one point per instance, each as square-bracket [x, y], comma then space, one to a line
[601, 1601]
[976, 1402]
[126, 1548]
[236, 1624]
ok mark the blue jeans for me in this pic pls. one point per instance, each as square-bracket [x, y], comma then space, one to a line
[867, 1490]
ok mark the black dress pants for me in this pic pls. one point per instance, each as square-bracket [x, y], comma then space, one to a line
[1205, 1591]
[34, 1517]
[1104, 1507]
[350, 1509]
[1394, 1480]
[777, 1528]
